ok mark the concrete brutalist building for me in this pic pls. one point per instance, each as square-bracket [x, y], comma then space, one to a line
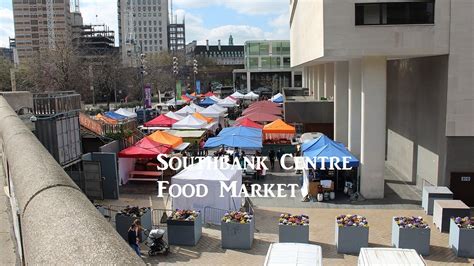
[401, 74]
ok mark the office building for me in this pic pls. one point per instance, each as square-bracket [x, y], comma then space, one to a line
[143, 28]
[176, 36]
[221, 54]
[267, 67]
[401, 75]
[40, 25]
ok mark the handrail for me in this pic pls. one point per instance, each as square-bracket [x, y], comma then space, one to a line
[59, 225]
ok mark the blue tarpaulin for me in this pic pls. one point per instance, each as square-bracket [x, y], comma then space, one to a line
[235, 141]
[241, 131]
[206, 102]
[115, 116]
[325, 147]
[278, 99]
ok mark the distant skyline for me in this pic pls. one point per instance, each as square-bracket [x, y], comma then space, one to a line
[205, 19]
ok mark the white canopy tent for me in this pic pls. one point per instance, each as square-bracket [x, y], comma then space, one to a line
[215, 98]
[209, 172]
[218, 108]
[178, 102]
[231, 99]
[213, 112]
[196, 107]
[186, 110]
[174, 116]
[190, 122]
[125, 112]
[237, 95]
[227, 102]
[251, 96]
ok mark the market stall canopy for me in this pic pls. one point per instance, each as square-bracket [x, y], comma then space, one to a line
[241, 131]
[145, 148]
[161, 121]
[277, 98]
[166, 138]
[205, 118]
[235, 141]
[227, 102]
[190, 122]
[231, 98]
[186, 110]
[196, 107]
[105, 119]
[319, 142]
[178, 102]
[325, 147]
[186, 98]
[115, 116]
[251, 95]
[125, 112]
[186, 133]
[263, 109]
[215, 98]
[264, 103]
[300, 254]
[245, 122]
[207, 101]
[260, 117]
[309, 136]
[213, 111]
[209, 172]
[209, 93]
[237, 95]
[219, 108]
[278, 130]
[174, 116]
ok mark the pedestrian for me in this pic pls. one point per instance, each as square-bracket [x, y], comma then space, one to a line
[133, 236]
[271, 157]
[219, 128]
[279, 155]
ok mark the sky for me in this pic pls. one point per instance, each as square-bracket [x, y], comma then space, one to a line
[205, 19]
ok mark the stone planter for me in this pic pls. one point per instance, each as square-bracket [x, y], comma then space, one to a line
[293, 233]
[461, 240]
[236, 235]
[432, 193]
[123, 223]
[411, 238]
[184, 233]
[350, 239]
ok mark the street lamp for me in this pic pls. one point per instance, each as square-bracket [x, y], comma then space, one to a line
[195, 68]
[175, 73]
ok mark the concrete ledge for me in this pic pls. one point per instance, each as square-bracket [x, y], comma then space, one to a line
[59, 224]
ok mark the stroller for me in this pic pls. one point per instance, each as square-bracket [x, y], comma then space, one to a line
[156, 243]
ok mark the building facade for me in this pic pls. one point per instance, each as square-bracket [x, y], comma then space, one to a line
[176, 36]
[400, 73]
[224, 55]
[40, 25]
[143, 28]
[267, 67]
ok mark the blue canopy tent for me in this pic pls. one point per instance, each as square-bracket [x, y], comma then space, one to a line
[115, 116]
[207, 102]
[331, 150]
[235, 141]
[241, 131]
[318, 143]
[278, 99]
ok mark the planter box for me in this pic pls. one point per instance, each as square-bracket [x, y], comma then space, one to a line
[432, 193]
[445, 209]
[461, 240]
[237, 236]
[411, 238]
[293, 233]
[123, 223]
[351, 239]
[184, 233]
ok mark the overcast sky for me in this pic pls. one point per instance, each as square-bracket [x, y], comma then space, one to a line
[205, 19]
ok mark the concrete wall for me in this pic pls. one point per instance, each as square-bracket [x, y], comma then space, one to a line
[318, 112]
[59, 225]
[18, 99]
[460, 111]
[416, 115]
[459, 156]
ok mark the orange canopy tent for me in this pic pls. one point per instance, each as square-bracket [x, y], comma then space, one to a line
[145, 148]
[106, 119]
[205, 118]
[165, 138]
[278, 130]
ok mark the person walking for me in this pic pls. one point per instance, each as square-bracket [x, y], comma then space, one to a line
[271, 157]
[279, 155]
[133, 236]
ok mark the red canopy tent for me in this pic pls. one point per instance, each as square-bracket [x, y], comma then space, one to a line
[145, 148]
[264, 103]
[263, 109]
[260, 117]
[209, 94]
[245, 122]
[161, 121]
[186, 98]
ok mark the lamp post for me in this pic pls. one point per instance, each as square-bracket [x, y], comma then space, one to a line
[175, 74]
[195, 70]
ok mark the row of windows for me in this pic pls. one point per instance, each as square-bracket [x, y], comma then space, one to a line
[154, 29]
[149, 14]
[267, 48]
[145, 2]
[144, 22]
[151, 41]
[394, 13]
[268, 62]
[223, 54]
[144, 9]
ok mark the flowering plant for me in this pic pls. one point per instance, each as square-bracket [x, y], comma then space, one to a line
[464, 222]
[288, 219]
[411, 222]
[237, 217]
[351, 220]
[184, 215]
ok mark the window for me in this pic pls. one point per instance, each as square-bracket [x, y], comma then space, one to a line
[253, 62]
[276, 62]
[264, 49]
[265, 60]
[286, 62]
[253, 49]
[276, 48]
[419, 12]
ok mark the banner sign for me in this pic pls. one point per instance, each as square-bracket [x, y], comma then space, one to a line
[147, 96]
[198, 86]
[178, 89]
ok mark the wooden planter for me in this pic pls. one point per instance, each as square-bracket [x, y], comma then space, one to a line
[293, 233]
[123, 223]
[236, 235]
[411, 238]
[184, 233]
[350, 239]
[461, 240]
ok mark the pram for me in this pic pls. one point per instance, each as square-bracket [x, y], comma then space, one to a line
[156, 243]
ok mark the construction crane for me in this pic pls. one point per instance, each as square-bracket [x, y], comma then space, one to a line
[50, 23]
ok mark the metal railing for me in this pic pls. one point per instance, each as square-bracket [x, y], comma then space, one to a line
[213, 215]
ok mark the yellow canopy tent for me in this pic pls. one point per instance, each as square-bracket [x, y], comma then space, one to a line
[166, 138]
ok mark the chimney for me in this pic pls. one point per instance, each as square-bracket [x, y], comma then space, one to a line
[207, 45]
[219, 44]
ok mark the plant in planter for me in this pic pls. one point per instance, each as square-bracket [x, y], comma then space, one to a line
[237, 230]
[184, 227]
[352, 233]
[412, 233]
[461, 235]
[293, 228]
